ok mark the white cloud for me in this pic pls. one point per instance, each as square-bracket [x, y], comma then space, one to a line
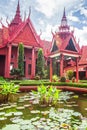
[73, 18]
[46, 7]
[81, 34]
[41, 22]
[47, 33]
[49, 8]
[83, 11]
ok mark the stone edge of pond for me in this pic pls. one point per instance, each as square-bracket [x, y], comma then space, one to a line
[64, 88]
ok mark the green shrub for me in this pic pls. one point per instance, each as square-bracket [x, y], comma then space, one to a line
[15, 72]
[1, 78]
[63, 79]
[7, 89]
[37, 77]
[70, 74]
[55, 78]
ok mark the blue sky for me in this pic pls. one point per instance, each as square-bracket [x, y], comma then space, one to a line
[46, 15]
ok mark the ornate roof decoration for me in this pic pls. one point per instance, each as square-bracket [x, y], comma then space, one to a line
[83, 59]
[64, 26]
[17, 19]
[64, 39]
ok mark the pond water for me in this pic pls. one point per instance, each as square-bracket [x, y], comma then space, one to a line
[22, 115]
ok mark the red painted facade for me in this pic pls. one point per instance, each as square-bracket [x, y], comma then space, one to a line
[18, 31]
[63, 49]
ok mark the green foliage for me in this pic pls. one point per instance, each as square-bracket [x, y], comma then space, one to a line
[21, 59]
[39, 82]
[15, 72]
[40, 63]
[48, 95]
[70, 74]
[63, 79]
[7, 89]
[73, 79]
[37, 77]
[1, 78]
[55, 78]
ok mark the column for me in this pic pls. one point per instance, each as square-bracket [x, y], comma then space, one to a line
[16, 60]
[26, 69]
[8, 61]
[33, 63]
[86, 73]
[77, 71]
[61, 65]
[51, 70]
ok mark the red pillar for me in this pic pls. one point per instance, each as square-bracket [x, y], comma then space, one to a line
[16, 60]
[51, 71]
[61, 65]
[86, 73]
[8, 61]
[77, 72]
[33, 63]
[26, 70]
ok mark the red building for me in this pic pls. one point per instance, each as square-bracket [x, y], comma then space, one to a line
[18, 31]
[63, 50]
[66, 53]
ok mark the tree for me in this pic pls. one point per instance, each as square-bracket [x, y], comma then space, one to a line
[40, 63]
[21, 59]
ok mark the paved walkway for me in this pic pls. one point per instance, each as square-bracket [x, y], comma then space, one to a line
[65, 88]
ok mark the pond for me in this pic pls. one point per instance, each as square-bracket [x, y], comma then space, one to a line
[70, 113]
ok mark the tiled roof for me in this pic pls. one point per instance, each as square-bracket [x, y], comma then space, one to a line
[46, 45]
[83, 59]
[62, 42]
[32, 39]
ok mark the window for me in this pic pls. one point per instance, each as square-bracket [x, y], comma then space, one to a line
[29, 69]
[12, 56]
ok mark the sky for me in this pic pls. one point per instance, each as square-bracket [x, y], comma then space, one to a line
[46, 15]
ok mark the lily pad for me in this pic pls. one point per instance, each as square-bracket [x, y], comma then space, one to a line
[20, 108]
[18, 113]
[2, 118]
[35, 112]
[2, 113]
[12, 127]
[8, 114]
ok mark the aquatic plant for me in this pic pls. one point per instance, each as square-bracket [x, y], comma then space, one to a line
[7, 89]
[47, 95]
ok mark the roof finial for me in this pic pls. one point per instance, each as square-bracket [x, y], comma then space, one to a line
[18, 7]
[24, 15]
[1, 21]
[64, 14]
[17, 19]
[29, 11]
[7, 21]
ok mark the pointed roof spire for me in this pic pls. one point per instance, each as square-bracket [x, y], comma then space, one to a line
[17, 19]
[29, 12]
[64, 13]
[64, 26]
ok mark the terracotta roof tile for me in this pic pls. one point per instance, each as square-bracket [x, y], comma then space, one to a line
[83, 59]
[46, 45]
[21, 26]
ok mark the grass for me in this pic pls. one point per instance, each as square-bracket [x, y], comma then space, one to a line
[81, 83]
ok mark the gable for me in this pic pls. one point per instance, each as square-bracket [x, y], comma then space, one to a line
[26, 36]
[71, 46]
[55, 47]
